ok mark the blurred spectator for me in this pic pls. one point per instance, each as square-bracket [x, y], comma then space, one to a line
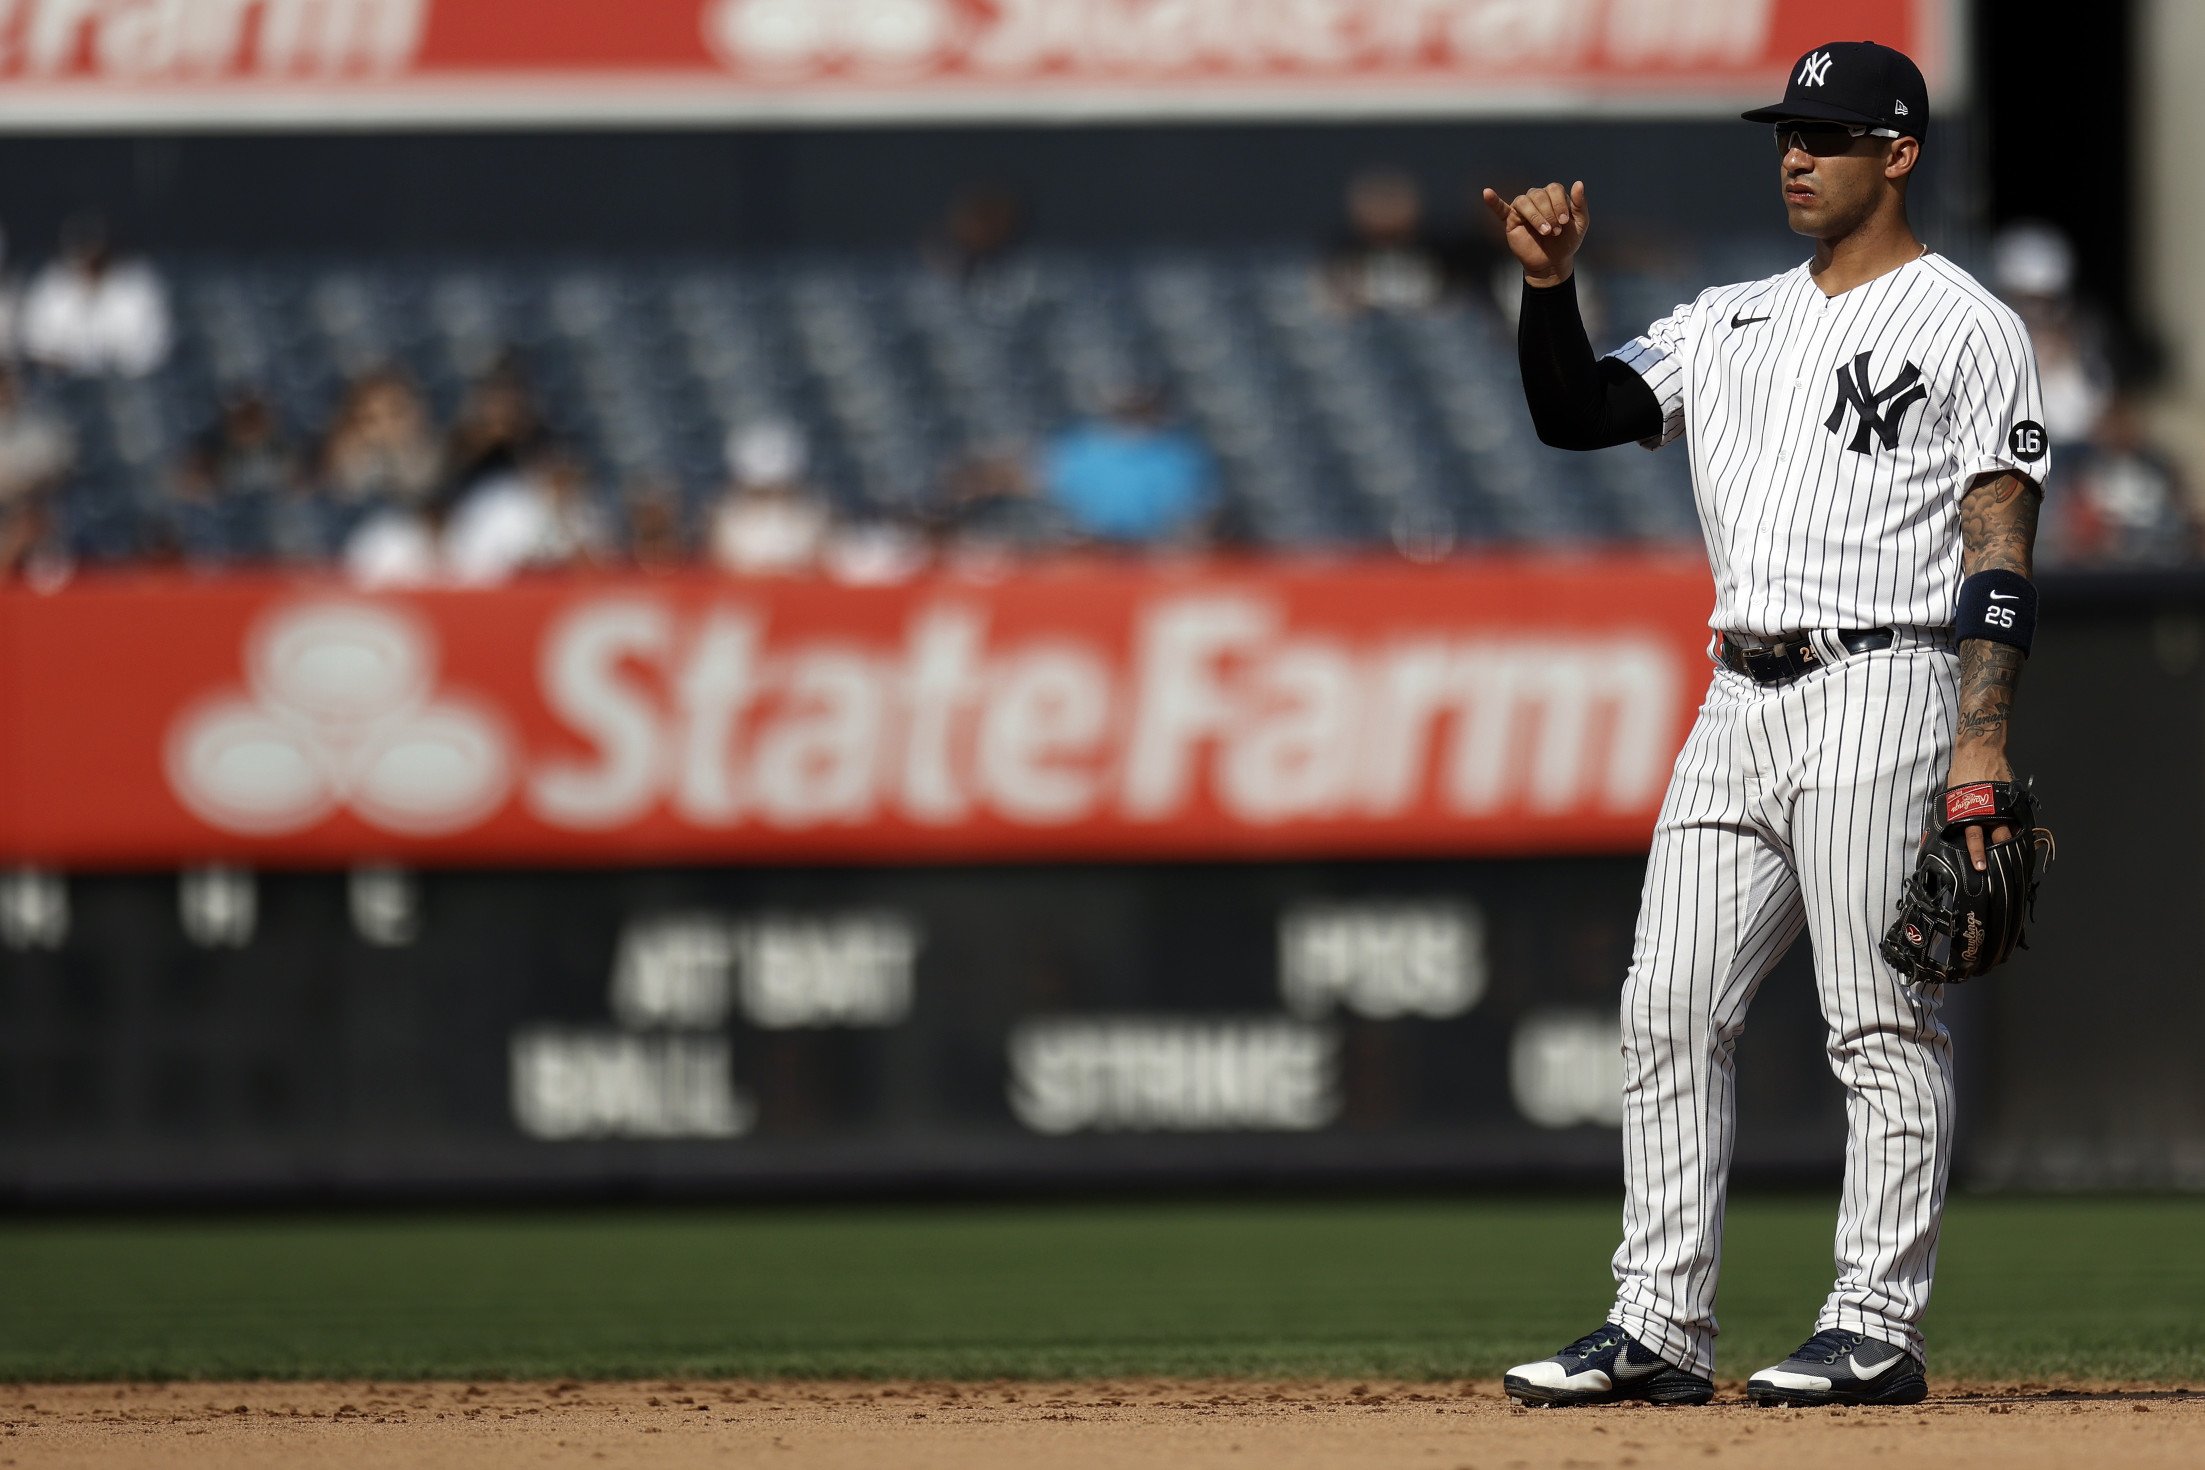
[36, 446]
[88, 312]
[1387, 263]
[2033, 265]
[495, 531]
[876, 553]
[980, 245]
[1132, 478]
[238, 494]
[382, 447]
[541, 516]
[768, 521]
[32, 547]
[496, 432]
[36, 452]
[397, 546]
[488, 516]
[990, 506]
[2116, 503]
[657, 541]
[577, 532]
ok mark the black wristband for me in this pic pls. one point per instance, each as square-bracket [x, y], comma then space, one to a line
[1999, 607]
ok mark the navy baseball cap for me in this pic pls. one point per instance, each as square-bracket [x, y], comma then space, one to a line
[1854, 82]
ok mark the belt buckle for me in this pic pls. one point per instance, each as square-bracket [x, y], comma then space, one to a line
[1776, 661]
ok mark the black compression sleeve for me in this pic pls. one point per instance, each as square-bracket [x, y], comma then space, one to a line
[1577, 401]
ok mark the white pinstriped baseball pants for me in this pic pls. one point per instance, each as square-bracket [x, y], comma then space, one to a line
[1793, 805]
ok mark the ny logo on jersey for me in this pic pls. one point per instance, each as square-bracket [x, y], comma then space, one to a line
[1880, 409]
[1814, 70]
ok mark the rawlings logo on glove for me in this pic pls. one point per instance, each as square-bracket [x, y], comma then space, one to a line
[1955, 923]
[1963, 802]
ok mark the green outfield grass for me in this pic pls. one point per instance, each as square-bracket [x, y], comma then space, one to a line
[2029, 1289]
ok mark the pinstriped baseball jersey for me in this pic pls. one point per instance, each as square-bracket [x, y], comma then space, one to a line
[1832, 437]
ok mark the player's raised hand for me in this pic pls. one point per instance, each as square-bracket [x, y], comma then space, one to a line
[1544, 227]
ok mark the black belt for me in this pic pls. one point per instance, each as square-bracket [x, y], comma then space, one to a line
[1791, 655]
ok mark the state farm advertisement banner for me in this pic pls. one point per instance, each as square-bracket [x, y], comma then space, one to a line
[137, 62]
[1074, 711]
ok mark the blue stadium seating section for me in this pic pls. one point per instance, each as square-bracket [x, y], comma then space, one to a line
[1332, 429]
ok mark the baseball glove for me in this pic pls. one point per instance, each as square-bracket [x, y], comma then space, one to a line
[1955, 923]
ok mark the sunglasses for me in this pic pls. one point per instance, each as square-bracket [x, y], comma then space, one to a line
[1824, 139]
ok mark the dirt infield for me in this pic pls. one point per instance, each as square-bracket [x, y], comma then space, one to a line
[1152, 1425]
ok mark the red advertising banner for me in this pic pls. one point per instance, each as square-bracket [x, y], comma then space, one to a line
[1068, 711]
[140, 62]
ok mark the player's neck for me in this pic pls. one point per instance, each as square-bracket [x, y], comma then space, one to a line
[1881, 244]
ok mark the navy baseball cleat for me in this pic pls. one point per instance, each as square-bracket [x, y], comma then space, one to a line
[1604, 1367]
[1839, 1367]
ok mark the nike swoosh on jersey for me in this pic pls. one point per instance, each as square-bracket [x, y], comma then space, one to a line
[2005, 597]
[1745, 321]
[1860, 1371]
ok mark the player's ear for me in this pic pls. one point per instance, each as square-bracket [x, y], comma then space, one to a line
[1903, 155]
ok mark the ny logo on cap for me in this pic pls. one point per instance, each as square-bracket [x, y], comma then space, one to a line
[1814, 70]
[1876, 416]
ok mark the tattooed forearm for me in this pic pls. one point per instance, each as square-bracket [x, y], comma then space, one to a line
[1990, 674]
[1998, 525]
[1998, 529]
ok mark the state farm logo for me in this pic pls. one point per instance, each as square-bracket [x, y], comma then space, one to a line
[792, 38]
[1210, 709]
[341, 710]
[1021, 40]
[199, 40]
[1219, 702]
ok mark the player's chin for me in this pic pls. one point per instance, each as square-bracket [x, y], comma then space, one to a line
[1808, 219]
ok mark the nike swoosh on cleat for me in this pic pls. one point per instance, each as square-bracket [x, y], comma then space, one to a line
[1745, 321]
[1864, 1373]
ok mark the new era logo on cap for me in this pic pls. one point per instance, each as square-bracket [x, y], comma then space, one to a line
[1898, 109]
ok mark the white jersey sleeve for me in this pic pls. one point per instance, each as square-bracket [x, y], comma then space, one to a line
[1658, 356]
[1997, 413]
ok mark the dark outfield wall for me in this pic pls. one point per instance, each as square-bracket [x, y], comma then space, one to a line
[738, 1031]
[731, 1030]
[1656, 183]
[2093, 1069]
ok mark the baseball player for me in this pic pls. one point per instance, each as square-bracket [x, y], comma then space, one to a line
[1867, 449]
